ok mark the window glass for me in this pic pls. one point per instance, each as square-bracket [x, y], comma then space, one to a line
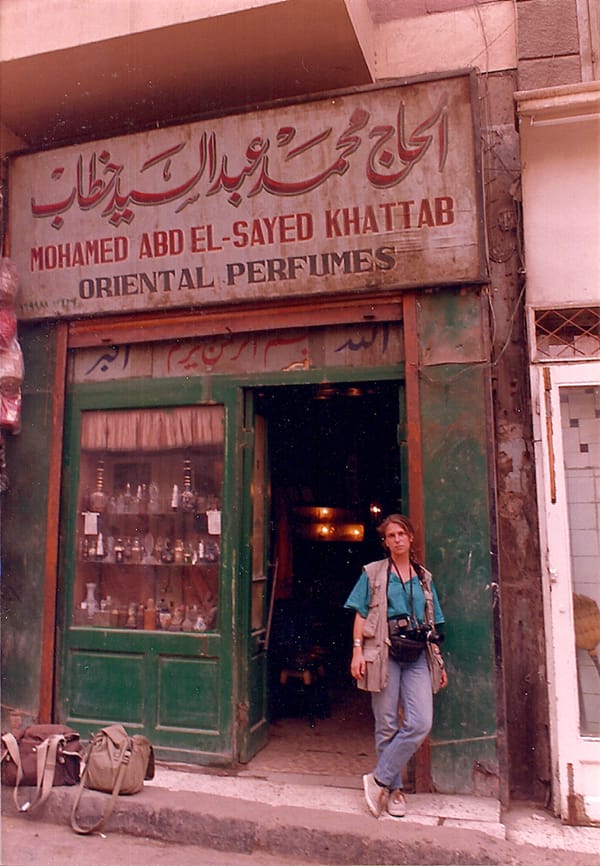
[580, 414]
[149, 519]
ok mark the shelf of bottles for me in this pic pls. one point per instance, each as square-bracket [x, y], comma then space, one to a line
[148, 542]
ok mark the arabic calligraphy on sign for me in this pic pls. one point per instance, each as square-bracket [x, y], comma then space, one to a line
[364, 191]
[392, 151]
[347, 346]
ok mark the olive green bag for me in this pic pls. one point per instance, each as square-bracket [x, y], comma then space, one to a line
[116, 764]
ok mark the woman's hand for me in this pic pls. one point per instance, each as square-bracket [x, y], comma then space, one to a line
[357, 666]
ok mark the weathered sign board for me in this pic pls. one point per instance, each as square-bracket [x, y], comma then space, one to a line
[374, 189]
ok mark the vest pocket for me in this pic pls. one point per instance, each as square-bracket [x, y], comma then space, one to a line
[371, 621]
[373, 667]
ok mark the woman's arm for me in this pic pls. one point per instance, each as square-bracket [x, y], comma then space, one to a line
[357, 666]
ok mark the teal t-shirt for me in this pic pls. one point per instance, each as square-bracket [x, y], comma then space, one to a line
[399, 598]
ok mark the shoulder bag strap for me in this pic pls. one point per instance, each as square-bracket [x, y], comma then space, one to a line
[425, 582]
[12, 752]
[46, 764]
[122, 766]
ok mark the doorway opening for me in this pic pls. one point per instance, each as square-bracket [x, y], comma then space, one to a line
[335, 471]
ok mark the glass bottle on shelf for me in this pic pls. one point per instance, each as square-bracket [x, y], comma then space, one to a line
[150, 615]
[119, 551]
[139, 526]
[100, 552]
[128, 551]
[144, 499]
[153, 498]
[168, 554]
[178, 551]
[128, 499]
[98, 497]
[187, 499]
[90, 601]
[136, 550]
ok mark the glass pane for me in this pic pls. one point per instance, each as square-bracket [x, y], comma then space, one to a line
[149, 519]
[580, 419]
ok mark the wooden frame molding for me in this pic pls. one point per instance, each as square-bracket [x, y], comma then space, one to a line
[47, 664]
[415, 475]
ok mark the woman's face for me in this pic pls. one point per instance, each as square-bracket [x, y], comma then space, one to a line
[397, 539]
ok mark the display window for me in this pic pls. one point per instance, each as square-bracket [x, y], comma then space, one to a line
[148, 539]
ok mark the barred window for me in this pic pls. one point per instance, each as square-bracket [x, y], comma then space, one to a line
[567, 334]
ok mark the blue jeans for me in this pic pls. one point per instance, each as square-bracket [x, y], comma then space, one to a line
[409, 688]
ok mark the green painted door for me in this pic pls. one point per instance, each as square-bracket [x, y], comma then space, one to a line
[148, 575]
[255, 575]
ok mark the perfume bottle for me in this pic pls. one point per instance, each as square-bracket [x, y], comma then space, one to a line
[128, 499]
[187, 499]
[100, 552]
[91, 603]
[98, 498]
[119, 551]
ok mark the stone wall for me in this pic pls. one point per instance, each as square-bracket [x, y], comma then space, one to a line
[548, 43]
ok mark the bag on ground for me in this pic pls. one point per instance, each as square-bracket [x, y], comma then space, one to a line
[115, 763]
[40, 756]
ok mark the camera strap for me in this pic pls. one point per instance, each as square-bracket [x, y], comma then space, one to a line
[425, 586]
[413, 619]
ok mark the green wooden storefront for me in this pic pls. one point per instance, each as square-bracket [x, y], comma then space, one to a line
[204, 697]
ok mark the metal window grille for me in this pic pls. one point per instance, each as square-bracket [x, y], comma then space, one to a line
[567, 334]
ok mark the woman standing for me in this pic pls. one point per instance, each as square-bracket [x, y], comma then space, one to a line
[394, 591]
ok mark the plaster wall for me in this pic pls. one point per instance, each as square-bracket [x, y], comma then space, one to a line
[561, 198]
[28, 27]
[483, 37]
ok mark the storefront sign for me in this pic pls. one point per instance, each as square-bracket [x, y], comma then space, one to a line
[349, 346]
[371, 190]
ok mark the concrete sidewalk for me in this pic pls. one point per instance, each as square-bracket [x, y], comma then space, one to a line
[320, 819]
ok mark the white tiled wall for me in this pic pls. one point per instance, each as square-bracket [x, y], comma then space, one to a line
[580, 420]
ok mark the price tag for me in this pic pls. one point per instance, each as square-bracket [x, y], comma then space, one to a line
[90, 523]
[214, 522]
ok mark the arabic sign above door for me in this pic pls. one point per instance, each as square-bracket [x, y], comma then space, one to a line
[370, 190]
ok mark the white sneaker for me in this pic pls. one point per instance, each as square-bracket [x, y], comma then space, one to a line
[375, 795]
[396, 804]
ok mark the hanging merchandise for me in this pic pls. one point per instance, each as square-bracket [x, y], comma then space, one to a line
[8, 327]
[11, 356]
[4, 482]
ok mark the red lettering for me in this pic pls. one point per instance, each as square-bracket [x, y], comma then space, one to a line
[332, 225]
[387, 212]
[369, 221]
[444, 210]
[270, 227]
[425, 214]
[240, 231]
[405, 210]
[161, 243]
[286, 230]
[257, 236]
[305, 226]
[202, 239]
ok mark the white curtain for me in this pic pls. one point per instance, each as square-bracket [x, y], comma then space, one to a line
[152, 429]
